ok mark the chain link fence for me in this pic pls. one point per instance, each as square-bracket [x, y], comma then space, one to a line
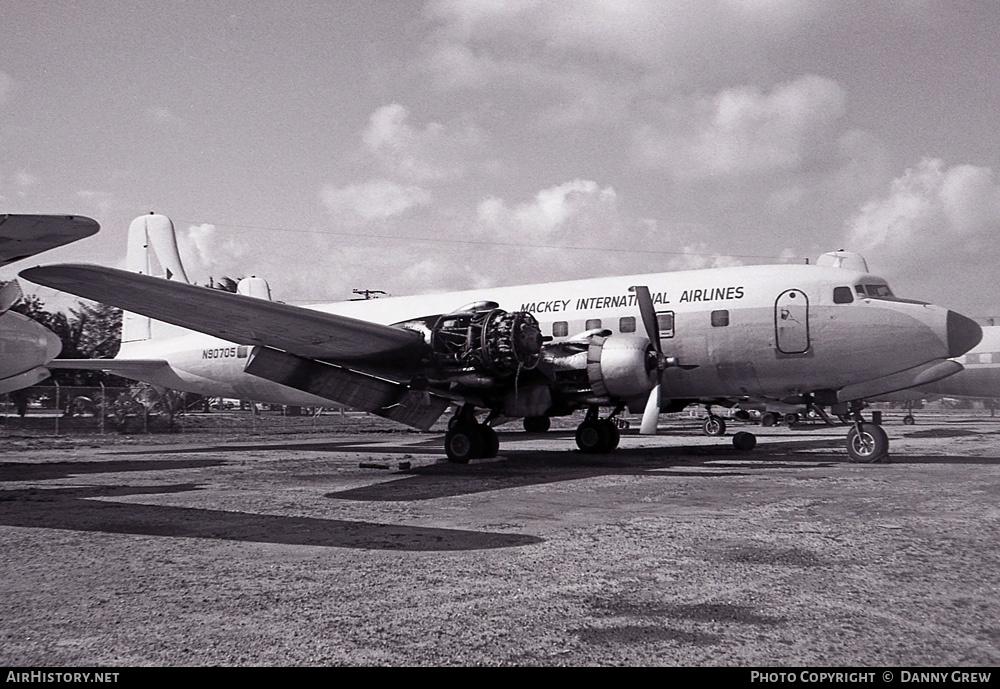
[140, 409]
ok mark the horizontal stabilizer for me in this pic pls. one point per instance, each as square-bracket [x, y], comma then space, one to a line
[233, 317]
[121, 366]
[916, 376]
[26, 235]
[395, 401]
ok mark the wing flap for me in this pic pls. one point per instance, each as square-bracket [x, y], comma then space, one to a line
[401, 403]
[233, 317]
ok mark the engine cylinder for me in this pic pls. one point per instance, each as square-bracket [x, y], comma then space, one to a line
[490, 341]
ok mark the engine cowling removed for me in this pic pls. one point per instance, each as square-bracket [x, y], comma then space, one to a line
[486, 340]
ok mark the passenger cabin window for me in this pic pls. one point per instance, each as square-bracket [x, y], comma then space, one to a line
[720, 318]
[842, 295]
[626, 324]
[665, 322]
[560, 329]
[593, 323]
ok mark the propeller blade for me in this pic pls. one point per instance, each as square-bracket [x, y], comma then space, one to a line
[651, 414]
[648, 314]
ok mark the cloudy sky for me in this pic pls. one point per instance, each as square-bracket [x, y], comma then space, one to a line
[414, 147]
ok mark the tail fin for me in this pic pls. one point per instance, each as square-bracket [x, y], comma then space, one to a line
[152, 250]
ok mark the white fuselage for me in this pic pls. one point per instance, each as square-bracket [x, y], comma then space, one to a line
[769, 331]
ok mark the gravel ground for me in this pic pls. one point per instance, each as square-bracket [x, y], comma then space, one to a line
[676, 550]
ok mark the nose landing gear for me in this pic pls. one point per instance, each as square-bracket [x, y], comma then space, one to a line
[866, 442]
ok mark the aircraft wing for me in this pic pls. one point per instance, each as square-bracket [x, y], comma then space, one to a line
[26, 235]
[234, 317]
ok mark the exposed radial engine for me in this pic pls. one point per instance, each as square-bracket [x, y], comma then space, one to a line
[481, 339]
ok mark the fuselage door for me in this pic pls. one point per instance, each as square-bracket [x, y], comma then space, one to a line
[791, 322]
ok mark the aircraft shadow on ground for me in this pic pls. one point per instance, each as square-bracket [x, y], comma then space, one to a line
[46, 471]
[310, 446]
[946, 433]
[75, 509]
[521, 468]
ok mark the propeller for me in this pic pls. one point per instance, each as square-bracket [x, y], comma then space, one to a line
[651, 414]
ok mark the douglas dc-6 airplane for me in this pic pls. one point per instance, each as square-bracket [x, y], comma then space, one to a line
[979, 379]
[25, 346]
[823, 334]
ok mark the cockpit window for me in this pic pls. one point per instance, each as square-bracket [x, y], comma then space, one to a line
[874, 291]
[842, 295]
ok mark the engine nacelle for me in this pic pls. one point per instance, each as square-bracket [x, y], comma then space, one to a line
[621, 366]
[486, 340]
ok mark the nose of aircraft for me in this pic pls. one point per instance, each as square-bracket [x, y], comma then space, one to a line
[963, 334]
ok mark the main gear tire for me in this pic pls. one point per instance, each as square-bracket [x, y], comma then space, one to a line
[593, 437]
[464, 442]
[869, 445]
[491, 443]
[714, 426]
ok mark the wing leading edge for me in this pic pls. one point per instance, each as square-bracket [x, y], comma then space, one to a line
[233, 317]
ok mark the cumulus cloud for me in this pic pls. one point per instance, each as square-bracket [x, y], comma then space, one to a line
[650, 33]
[417, 155]
[373, 200]
[205, 240]
[936, 226]
[743, 130]
[577, 208]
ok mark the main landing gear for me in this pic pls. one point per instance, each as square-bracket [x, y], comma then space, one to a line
[866, 442]
[468, 439]
[596, 435]
[715, 426]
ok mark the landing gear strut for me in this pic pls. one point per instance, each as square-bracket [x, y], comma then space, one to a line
[468, 439]
[596, 435]
[866, 442]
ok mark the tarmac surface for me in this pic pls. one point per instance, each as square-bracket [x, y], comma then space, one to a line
[370, 549]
